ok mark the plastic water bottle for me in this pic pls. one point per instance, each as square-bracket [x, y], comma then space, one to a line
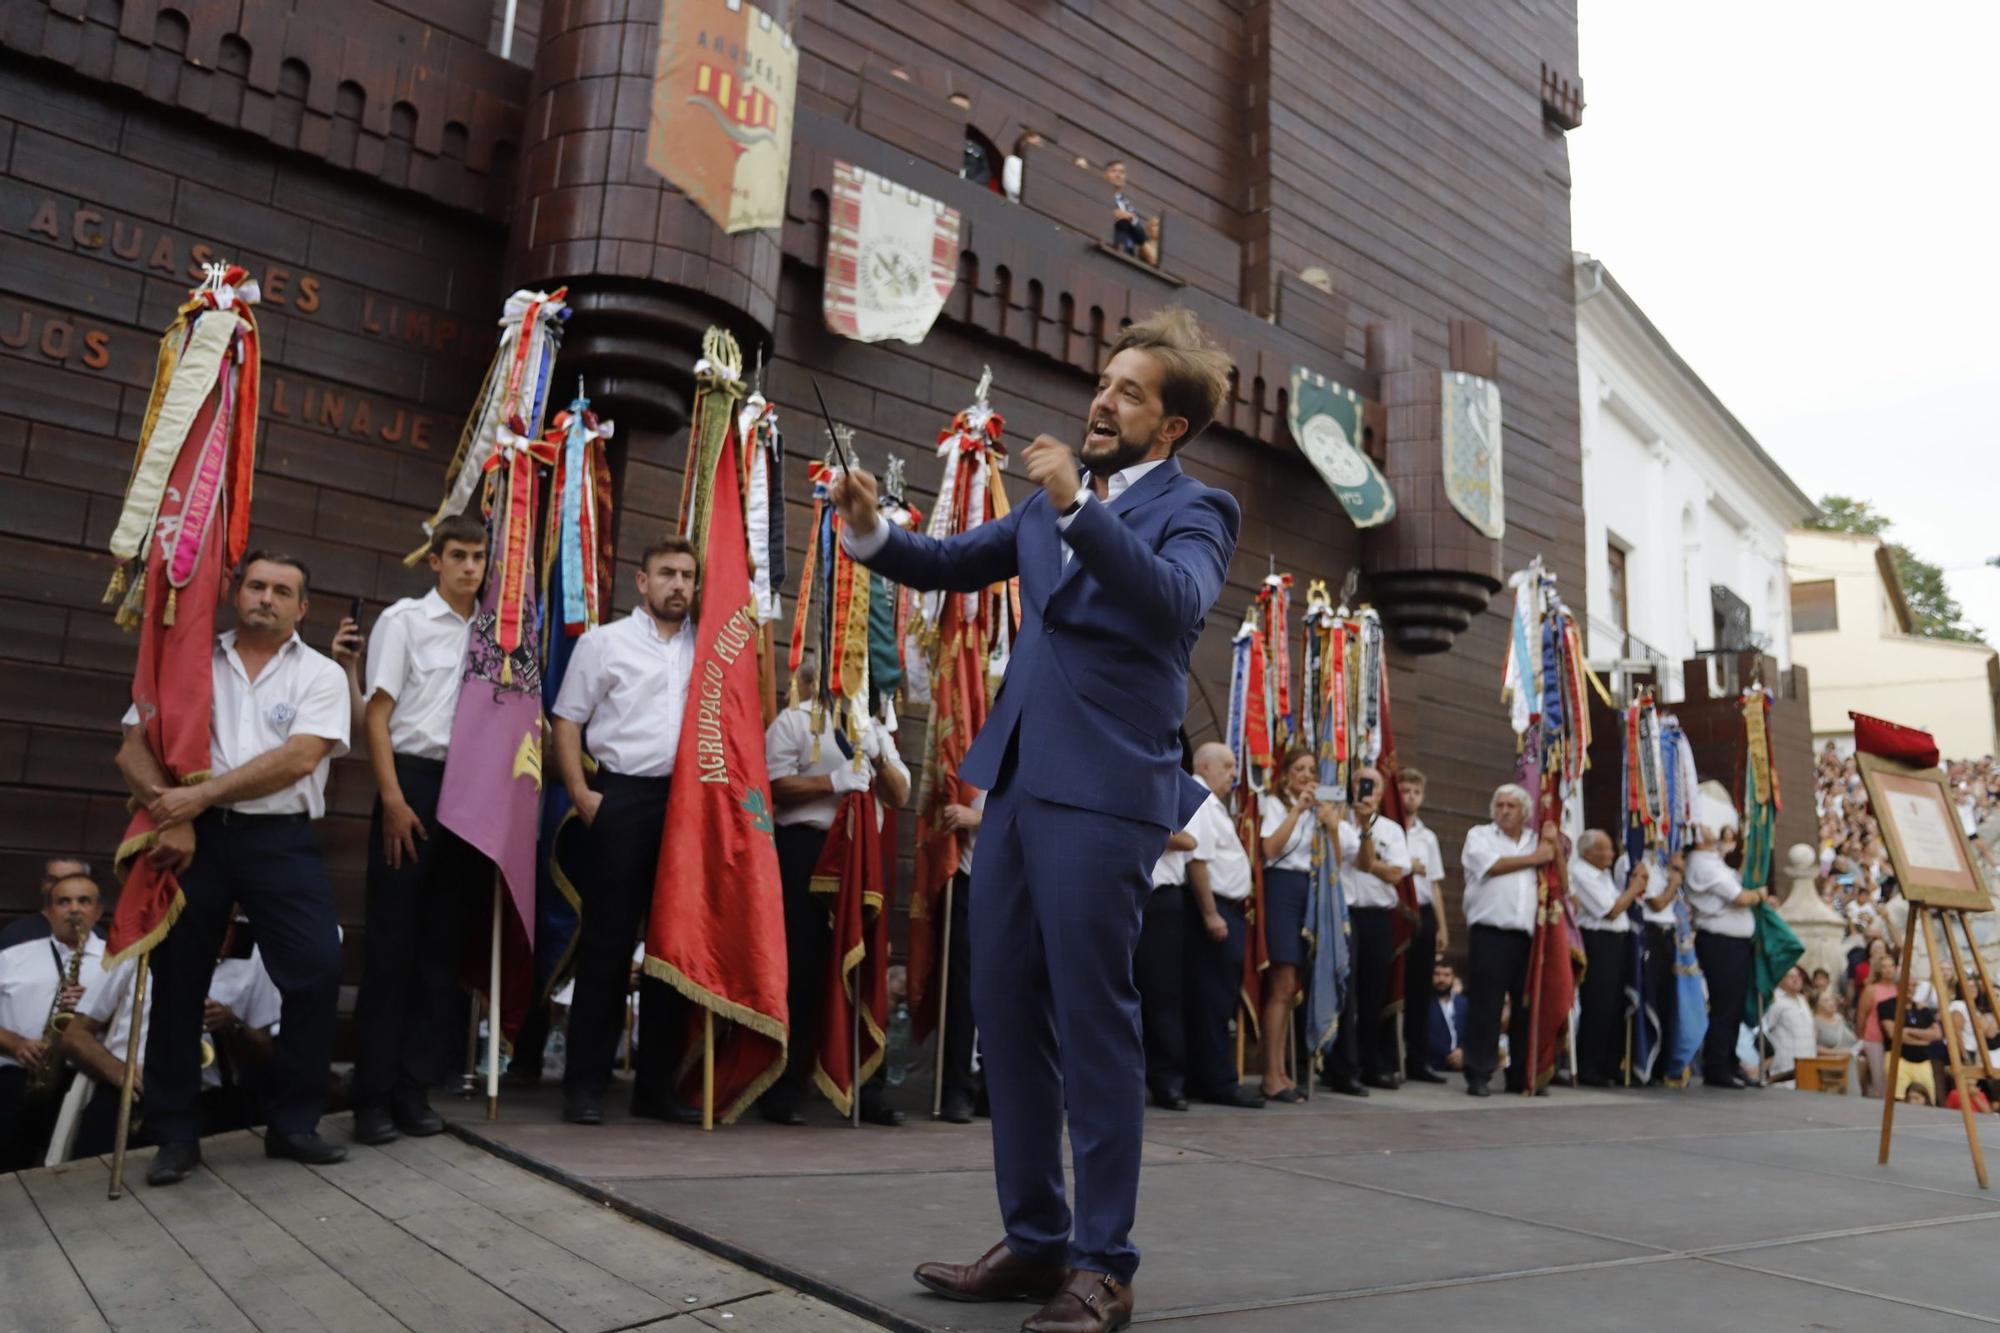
[898, 1058]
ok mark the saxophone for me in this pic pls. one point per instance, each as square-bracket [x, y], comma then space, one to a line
[50, 1071]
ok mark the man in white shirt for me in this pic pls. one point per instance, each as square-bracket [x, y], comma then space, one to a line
[38, 925]
[961, 1080]
[1159, 968]
[1216, 931]
[1657, 979]
[624, 696]
[1432, 937]
[1502, 861]
[33, 977]
[811, 771]
[1600, 906]
[1789, 1025]
[244, 836]
[1724, 927]
[421, 875]
[1372, 864]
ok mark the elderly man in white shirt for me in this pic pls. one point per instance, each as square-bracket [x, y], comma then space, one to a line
[1502, 861]
[1601, 904]
[1216, 933]
[624, 695]
[244, 836]
[1725, 926]
[34, 984]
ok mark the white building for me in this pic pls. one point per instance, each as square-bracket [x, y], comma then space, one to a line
[1685, 515]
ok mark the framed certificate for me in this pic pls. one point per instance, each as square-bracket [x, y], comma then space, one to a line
[1927, 847]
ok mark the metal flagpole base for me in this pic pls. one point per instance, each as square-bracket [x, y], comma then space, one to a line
[944, 1004]
[708, 1069]
[117, 1190]
[493, 1010]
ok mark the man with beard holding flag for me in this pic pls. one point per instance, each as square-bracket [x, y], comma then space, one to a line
[1081, 764]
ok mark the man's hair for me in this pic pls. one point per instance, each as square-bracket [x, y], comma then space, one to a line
[59, 868]
[61, 880]
[672, 543]
[1515, 790]
[1194, 375]
[468, 528]
[275, 558]
[1113, 162]
[1413, 776]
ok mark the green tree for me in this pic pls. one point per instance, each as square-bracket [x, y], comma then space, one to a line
[1933, 610]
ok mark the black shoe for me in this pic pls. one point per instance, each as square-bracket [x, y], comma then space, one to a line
[1734, 1083]
[308, 1148]
[1477, 1087]
[1240, 1097]
[1290, 1096]
[780, 1114]
[583, 1108]
[1171, 1099]
[881, 1113]
[520, 1074]
[1346, 1087]
[173, 1163]
[957, 1109]
[1542, 1091]
[1564, 1080]
[1386, 1082]
[415, 1117]
[1426, 1076]
[670, 1111]
[373, 1125]
[1592, 1081]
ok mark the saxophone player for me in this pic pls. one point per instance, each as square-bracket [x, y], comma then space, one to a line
[42, 981]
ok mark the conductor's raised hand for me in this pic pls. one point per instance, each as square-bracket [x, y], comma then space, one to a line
[1051, 465]
[854, 495]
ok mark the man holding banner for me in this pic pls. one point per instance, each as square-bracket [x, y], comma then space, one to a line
[1082, 765]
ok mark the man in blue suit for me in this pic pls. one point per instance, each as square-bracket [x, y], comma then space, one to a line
[1444, 1047]
[1119, 561]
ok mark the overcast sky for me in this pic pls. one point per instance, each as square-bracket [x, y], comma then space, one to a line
[1803, 198]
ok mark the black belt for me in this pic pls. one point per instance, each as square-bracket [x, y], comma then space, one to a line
[606, 778]
[247, 819]
[421, 761]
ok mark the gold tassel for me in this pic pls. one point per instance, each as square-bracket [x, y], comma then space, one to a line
[116, 589]
[173, 601]
[506, 671]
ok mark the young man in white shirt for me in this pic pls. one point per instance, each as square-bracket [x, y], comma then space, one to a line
[1159, 968]
[1374, 857]
[33, 984]
[1724, 927]
[1214, 935]
[624, 696]
[1432, 937]
[810, 773]
[1600, 906]
[421, 876]
[1502, 861]
[244, 836]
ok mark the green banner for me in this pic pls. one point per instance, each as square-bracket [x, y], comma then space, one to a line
[1326, 423]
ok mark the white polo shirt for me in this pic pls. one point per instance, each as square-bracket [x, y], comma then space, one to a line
[1712, 888]
[109, 1004]
[971, 835]
[1218, 847]
[1505, 902]
[788, 753]
[416, 656]
[1297, 853]
[627, 688]
[1364, 888]
[1593, 893]
[246, 987]
[299, 693]
[31, 972]
[1426, 860]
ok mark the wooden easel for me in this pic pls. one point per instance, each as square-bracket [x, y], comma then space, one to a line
[1939, 896]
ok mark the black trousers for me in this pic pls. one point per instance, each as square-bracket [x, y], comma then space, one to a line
[416, 916]
[1374, 1047]
[1496, 969]
[25, 1124]
[621, 848]
[1725, 964]
[960, 1030]
[1158, 968]
[1659, 987]
[1600, 1031]
[270, 867]
[1418, 961]
[1214, 984]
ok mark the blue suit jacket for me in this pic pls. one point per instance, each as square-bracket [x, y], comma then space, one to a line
[1097, 685]
[1440, 1046]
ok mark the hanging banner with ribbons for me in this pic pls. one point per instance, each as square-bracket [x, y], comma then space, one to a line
[891, 258]
[1469, 420]
[1326, 423]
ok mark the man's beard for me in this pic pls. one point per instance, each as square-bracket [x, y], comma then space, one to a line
[1127, 452]
[665, 610]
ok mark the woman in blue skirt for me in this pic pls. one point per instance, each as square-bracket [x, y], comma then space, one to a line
[1288, 816]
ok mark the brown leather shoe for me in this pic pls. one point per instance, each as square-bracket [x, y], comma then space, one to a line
[997, 1275]
[1089, 1302]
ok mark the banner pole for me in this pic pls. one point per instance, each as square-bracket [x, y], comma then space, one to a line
[125, 1086]
[854, 1103]
[493, 1010]
[707, 1068]
[944, 1004]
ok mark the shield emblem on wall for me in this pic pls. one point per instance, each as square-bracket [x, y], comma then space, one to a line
[891, 258]
[1470, 411]
[723, 93]
[1326, 423]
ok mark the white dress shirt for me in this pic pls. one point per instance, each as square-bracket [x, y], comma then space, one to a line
[30, 974]
[971, 835]
[109, 1004]
[788, 753]
[1505, 902]
[627, 687]
[1297, 854]
[1593, 893]
[299, 693]
[1426, 861]
[1712, 889]
[1789, 1024]
[1656, 884]
[864, 549]
[1365, 888]
[1218, 847]
[416, 656]
[246, 988]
